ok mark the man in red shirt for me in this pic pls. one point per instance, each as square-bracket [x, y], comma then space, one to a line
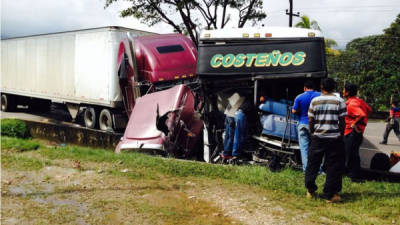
[394, 120]
[356, 121]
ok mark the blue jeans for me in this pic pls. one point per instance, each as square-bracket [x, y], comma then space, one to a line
[235, 134]
[304, 142]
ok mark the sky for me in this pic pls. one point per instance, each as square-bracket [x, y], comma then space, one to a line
[341, 20]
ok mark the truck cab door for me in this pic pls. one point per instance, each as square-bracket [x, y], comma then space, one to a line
[127, 76]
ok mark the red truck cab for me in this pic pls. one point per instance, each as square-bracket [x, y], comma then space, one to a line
[154, 62]
[165, 122]
[161, 110]
[165, 57]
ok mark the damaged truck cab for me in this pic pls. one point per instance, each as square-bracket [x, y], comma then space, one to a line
[154, 62]
[155, 75]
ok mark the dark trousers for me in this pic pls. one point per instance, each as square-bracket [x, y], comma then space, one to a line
[352, 142]
[333, 151]
[389, 127]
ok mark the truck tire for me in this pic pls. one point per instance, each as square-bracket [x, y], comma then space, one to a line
[105, 120]
[90, 117]
[8, 103]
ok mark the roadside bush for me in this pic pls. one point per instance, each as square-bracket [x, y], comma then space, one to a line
[14, 128]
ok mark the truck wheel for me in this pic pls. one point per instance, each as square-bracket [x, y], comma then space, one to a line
[90, 117]
[8, 103]
[105, 120]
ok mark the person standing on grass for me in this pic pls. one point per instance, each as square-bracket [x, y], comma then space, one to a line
[356, 121]
[394, 123]
[300, 107]
[326, 120]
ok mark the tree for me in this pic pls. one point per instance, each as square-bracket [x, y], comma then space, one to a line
[330, 43]
[307, 23]
[194, 14]
[373, 64]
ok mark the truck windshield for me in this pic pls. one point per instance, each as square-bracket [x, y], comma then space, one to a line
[170, 49]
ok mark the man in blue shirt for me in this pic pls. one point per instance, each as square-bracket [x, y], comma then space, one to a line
[300, 107]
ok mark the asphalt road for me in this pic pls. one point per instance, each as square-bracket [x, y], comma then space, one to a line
[372, 136]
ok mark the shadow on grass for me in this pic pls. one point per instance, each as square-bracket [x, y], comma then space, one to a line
[355, 197]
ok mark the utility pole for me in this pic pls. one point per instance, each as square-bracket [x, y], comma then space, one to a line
[291, 14]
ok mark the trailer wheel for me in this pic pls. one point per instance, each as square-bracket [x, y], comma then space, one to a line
[8, 103]
[105, 120]
[90, 117]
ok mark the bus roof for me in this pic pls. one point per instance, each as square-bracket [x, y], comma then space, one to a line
[259, 32]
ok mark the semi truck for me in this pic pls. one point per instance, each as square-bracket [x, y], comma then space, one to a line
[97, 73]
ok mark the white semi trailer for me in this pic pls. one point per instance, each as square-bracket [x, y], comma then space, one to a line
[76, 68]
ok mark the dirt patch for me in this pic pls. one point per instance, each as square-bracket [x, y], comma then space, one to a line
[247, 204]
[62, 195]
[73, 192]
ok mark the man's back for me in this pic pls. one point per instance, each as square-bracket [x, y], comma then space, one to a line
[302, 103]
[326, 110]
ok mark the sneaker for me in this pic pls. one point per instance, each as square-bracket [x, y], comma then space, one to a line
[225, 156]
[310, 195]
[334, 199]
[225, 159]
[383, 143]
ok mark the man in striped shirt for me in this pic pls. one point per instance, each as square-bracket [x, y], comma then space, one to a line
[326, 120]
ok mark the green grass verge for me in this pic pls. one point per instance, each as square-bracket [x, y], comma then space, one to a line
[10, 145]
[18, 145]
[22, 162]
[367, 203]
[14, 128]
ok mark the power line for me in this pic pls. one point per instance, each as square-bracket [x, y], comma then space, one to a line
[339, 11]
[351, 6]
[370, 8]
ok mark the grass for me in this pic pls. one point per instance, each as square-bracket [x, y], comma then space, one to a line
[11, 145]
[19, 145]
[368, 203]
[22, 162]
[14, 128]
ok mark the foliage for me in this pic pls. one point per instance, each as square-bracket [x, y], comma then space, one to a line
[194, 14]
[329, 43]
[14, 128]
[373, 64]
[306, 22]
